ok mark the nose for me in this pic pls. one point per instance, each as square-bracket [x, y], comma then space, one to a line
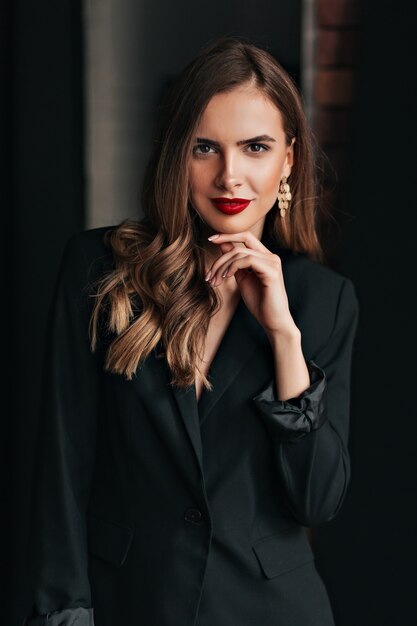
[229, 175]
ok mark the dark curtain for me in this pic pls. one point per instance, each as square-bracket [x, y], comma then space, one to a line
[43, 203]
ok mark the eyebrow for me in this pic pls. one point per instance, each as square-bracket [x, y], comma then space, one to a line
[242, 142]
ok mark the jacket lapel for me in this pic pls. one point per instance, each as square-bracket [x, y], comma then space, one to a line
[242, 337]
[187, 404]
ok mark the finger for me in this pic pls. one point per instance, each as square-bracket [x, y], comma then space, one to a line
[258, 264]
[227, 246]
[246, 237]
[220, 274]
[226, 258]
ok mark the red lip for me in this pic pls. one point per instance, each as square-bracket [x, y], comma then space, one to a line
[230, 206]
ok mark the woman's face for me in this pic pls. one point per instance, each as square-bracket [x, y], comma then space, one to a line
[240, 152]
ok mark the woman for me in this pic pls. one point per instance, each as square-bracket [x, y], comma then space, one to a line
[196, 392]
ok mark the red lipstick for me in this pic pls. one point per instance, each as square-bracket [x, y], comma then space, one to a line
[230, 206]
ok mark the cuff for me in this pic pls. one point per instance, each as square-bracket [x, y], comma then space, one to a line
[66, 617]
[294, 418]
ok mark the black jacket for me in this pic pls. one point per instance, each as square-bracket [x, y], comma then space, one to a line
[152, 509]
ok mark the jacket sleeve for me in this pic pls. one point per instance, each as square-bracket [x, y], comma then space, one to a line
[310, 433]
[64, 453]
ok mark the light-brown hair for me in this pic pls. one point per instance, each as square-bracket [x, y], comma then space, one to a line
[157, 291]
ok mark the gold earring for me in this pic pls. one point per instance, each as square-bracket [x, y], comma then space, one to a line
[284, 196]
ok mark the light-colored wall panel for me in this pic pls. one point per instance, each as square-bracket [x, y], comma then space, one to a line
[115, 110]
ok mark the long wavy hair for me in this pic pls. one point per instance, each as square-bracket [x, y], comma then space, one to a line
[156, 292]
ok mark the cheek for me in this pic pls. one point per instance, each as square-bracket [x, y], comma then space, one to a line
[268, 178]
[199, 177]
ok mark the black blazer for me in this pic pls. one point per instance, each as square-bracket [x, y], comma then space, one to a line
[152, 509]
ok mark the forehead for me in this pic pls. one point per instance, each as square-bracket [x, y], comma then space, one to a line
[244, 111]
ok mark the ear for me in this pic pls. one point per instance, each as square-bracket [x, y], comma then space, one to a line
[289, 159]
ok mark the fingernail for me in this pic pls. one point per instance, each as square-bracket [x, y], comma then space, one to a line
[213, 237]
[225, 273]
[208, 276]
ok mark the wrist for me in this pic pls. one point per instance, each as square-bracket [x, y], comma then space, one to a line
[284, 336]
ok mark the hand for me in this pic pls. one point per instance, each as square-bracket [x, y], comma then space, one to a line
[258, 274]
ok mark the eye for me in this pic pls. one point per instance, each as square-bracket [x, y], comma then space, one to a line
[202, 148]
[257, 147]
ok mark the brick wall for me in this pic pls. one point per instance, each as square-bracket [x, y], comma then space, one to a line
[336, 25]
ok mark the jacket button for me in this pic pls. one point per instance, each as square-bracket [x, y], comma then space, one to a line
[193, 515]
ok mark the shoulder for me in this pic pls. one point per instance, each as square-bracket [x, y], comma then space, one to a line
[320, 298]
[91, 241]
[304, 275]
[89, 252]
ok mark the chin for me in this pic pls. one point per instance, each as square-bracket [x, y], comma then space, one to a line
[229, 225]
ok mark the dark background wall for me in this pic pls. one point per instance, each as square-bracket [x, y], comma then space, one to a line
[366, 555]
